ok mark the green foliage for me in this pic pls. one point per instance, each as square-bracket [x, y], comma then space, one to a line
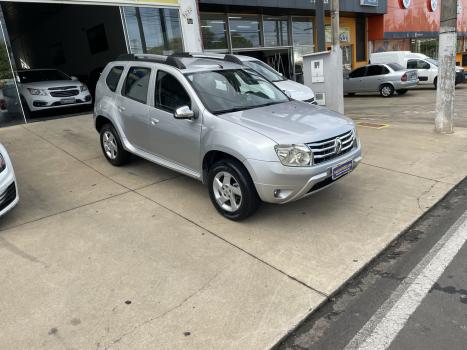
[5, 70]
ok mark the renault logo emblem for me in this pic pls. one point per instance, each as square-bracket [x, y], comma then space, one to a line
[338, 145]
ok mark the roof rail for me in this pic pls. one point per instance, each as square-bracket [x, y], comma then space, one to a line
[170, 60]
[233, 59]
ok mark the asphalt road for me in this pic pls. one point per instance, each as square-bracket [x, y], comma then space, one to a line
[417, 106]
[412, 296]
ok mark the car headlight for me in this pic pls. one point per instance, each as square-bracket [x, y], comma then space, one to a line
[294, 155]
[2, 163]
[37, 92]
[83, 88]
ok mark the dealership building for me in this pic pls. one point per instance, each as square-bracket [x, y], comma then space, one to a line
[80, 37]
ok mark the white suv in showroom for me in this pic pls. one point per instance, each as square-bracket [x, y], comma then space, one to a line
[42, 89]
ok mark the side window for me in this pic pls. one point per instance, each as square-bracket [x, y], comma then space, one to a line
[423, 65]
[137, 83]
[374, 70]
[358, 73]
[384, 70]
[114, 77]
[412, 64]
[170, 93]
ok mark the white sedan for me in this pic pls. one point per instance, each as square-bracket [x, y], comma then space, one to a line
[8, 190]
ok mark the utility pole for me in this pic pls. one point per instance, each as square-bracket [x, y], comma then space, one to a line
[447, 67]
[337, 52]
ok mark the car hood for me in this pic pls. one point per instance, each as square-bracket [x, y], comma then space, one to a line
[51, 83]
[295, 90]
[292, 122]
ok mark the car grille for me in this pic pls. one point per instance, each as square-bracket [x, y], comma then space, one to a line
[65, 93]
[8, 196]
[63, 88]
[328, 149]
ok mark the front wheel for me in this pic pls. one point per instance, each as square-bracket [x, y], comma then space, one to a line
[386, 90]
[231, 190]
[112, 146]
[435, 83]
[401, 91]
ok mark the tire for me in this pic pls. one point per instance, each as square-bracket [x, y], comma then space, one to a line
[228, 181]
[351, 94]
[112, 146]
[386, 90]
[435, 83]
[402, 91]
[26, 110]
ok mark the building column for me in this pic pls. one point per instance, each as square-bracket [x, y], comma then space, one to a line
[191, 30]
[320, 32]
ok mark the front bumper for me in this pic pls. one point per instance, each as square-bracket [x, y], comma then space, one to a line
[276, 183]
[8, 188]
[39, 103]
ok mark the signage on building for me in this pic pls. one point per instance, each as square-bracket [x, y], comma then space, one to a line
[344, 34]
[368, 2]
[433, 5]
[126, 2]
[405, 3]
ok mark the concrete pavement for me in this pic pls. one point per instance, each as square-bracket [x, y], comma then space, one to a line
[87, 237]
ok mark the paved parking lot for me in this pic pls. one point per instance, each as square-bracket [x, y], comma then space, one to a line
[97, 257]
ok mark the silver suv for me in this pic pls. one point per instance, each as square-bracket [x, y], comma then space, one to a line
[224, 125]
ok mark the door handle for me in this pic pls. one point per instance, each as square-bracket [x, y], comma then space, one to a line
[154, 121]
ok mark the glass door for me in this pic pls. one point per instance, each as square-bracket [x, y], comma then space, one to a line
[11, 111]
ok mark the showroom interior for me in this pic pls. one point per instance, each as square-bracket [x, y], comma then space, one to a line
[77, 39]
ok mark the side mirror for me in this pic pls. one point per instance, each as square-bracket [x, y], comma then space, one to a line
[184, 112]
[74, 78]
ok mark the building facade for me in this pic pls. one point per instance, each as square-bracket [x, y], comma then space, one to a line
[281, 32]
[80, 37]
[413, 25]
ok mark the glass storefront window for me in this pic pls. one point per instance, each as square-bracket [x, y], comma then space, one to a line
[10, 106]
[214, 31]
[276, 31]
[153, 30]
[302, 31]
[244, 31]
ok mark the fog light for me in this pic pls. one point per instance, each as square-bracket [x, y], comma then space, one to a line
[282, 194]
[277, 193]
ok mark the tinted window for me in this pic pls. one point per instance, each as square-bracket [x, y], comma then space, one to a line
[423, 65]
[114, 77]
[395, 66]
[357, 73]
[412, 64]
[136, 84]
[374, 70]
[170, 93]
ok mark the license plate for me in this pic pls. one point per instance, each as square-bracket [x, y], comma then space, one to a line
[66, 101]
[342, 169]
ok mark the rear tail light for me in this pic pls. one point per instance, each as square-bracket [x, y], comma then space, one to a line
[404, 77]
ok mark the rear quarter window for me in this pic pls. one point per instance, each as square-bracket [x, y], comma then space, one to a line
[114, 77]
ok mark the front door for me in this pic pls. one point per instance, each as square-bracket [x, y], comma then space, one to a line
[354, 82]
[177, 141]
[132, 106]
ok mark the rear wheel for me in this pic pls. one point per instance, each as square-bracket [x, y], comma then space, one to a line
[112, 146]
[402, 91]
[231, 190]
[351, 94]
[435, 83]
[386, 90]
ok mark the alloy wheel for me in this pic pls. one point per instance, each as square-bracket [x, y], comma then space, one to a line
[110, 145]
[227, 191]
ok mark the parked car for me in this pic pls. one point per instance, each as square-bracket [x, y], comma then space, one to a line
[383, 78]
[224, 125]
[293, 89]
[42, 89]
[427, 68]
[8, 190]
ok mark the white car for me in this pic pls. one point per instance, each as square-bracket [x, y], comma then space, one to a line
[293, 89]
[427, 68]
[42, 89]
[8, 189]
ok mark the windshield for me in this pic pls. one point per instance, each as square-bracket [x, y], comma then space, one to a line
[395, 66]
[265, 70]
[32, 76]
[232, 90]
[432, 61]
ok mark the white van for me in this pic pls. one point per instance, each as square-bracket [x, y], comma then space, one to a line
[426, 67]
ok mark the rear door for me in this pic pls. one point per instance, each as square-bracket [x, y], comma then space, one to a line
[132, 104]
[374, 77]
